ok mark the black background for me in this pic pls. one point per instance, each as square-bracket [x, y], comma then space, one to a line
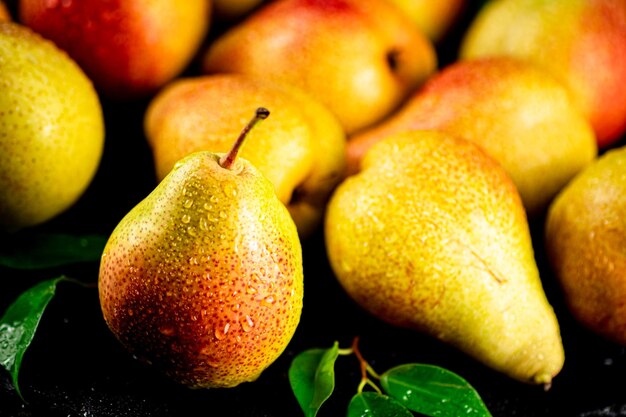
[75, 367]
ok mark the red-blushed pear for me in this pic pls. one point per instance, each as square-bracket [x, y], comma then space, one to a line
[581, 42]
[360, 58]
[585, 237]
[434, 18]
[129, 48]
[431, 235]
[301, 150]
[518, 113]
[203, 278]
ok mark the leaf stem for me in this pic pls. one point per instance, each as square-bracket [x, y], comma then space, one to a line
[366, 369]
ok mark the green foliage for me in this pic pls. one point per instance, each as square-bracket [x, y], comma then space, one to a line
[312, 378]
[426, 389]
[432, 391]
[40, 251]
[36, 251]
[373, 404]
[19, 323]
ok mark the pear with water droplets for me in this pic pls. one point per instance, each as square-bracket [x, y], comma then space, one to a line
[203, 279]
[432, 235]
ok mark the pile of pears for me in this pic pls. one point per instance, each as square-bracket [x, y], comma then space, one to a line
[423, 177]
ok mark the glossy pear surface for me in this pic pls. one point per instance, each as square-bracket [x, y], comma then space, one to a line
[51, 129]
[431, 235]
[519, 114]
[359, 58]
[301, 149]
[203, 278]
[581, 42]
[586, 240]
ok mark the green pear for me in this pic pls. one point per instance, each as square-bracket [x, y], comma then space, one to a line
[51, 129]
[585, 238]
[203, 278]
[432, 235]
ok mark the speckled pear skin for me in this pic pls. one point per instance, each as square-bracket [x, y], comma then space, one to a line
[431, 235]
[585, 237]
[51, 129]
[203, 279]
[521, 116]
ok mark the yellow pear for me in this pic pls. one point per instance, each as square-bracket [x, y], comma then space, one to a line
[431, 235]
[302, 150]
[585, 238]
[580, 42]
[517, 113]
[51, 129]
[203, 278]
[359, 58]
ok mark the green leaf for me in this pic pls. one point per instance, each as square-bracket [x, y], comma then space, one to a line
[312, 378]
[39, 251]
[373, 404]
[19, 323]
[433, 391]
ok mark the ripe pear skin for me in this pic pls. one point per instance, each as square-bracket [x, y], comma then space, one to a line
[129, 48]
[51, 129]
[431, 235]
[581, 42]
[585, 238]
[203, 278]
[359, 58]
[518, 113]
[301, 150]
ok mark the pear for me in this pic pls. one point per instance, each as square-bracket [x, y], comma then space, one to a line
[302, 152]
[580, 42]
[51, 129]
[585, 236]
[519, 114]
[431, 235]
[203, 278]
[359, 58]
[128, 48]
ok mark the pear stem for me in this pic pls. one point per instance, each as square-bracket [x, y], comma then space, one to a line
[227, 160]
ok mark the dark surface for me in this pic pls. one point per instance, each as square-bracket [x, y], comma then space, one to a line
[75, 367]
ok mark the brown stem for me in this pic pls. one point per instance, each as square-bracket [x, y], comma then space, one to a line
[227, 160]
[362, 362]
